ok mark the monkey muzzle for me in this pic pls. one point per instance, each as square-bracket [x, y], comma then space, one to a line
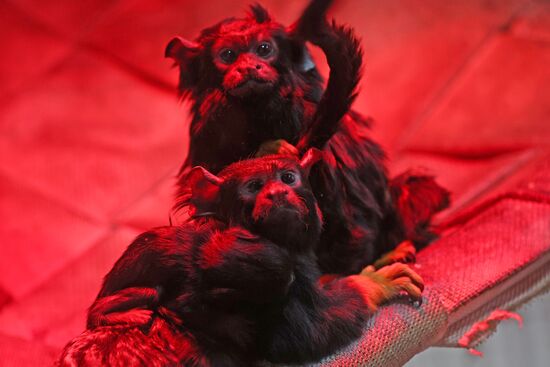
[251, 86]
[280, 211]
[250, 76]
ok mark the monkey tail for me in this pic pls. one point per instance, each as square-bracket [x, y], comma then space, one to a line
[345, 59]
[311, 19]
[417, 198]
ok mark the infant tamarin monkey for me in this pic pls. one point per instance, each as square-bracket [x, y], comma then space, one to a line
[255, 90]
[239, 282]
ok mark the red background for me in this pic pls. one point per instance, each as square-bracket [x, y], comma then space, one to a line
[91, 132]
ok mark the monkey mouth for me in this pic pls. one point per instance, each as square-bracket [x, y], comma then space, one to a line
[284, 226]
[283, 217]
[251, 86]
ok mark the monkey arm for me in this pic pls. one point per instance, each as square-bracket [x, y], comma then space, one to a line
[152, 259]
[132, 288]
[236, 264]
[405, 252]
[324, 318]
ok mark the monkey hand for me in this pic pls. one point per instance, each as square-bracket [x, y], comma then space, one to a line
[382, 285]
[405, 252]
[279, 146]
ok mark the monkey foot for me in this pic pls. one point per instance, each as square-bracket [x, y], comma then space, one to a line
[405, 252]
[388, 282]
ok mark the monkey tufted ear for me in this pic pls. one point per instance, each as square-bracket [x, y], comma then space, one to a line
[180, 49]
[185, 53]
[205, 189]
[309, 159]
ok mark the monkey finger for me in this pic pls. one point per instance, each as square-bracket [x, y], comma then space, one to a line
[413, 276]
[406, 246]
[368, 269]
[404, 284]
[405, 252]
[391, 271]
[399, 270]
[410, 258]
[404, 258]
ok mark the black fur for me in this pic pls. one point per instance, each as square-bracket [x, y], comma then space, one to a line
[230, 297]
[239, 282]
[362, 218]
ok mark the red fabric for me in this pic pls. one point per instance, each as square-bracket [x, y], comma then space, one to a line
[92, 134]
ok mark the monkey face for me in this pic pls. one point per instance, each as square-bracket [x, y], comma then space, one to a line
[245, 54]
[269, 195]
[275, 196]
[242, 58]
[275, 200]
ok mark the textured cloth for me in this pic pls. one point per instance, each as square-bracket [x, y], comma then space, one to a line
[497, 258]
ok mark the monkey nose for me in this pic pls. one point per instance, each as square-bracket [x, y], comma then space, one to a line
[277, 194]
[248, 69]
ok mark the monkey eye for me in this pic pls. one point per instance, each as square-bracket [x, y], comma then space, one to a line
[227, 55]
[288, 178]
[264, 49]
[253, 186]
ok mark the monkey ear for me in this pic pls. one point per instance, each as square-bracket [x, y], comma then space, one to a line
[309, 159]
[205, 190]
[301, 56]
[180, 49]
[185, 54]
[305, 61]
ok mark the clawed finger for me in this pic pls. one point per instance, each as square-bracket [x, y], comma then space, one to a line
[409, 257]
[406, 246]
[367, 270]
[405, 252]
[399, 270]
[405, 284]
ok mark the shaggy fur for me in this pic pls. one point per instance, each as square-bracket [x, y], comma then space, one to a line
[239, 282]
[366, 215]
[235, 289]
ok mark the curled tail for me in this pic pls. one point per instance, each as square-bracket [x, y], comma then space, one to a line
[417, 198]
[345, 60]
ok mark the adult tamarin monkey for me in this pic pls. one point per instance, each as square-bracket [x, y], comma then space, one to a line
[239, 282]
[255, 90]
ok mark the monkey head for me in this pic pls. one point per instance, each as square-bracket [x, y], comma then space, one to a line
[241, 58]
[270, 196]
